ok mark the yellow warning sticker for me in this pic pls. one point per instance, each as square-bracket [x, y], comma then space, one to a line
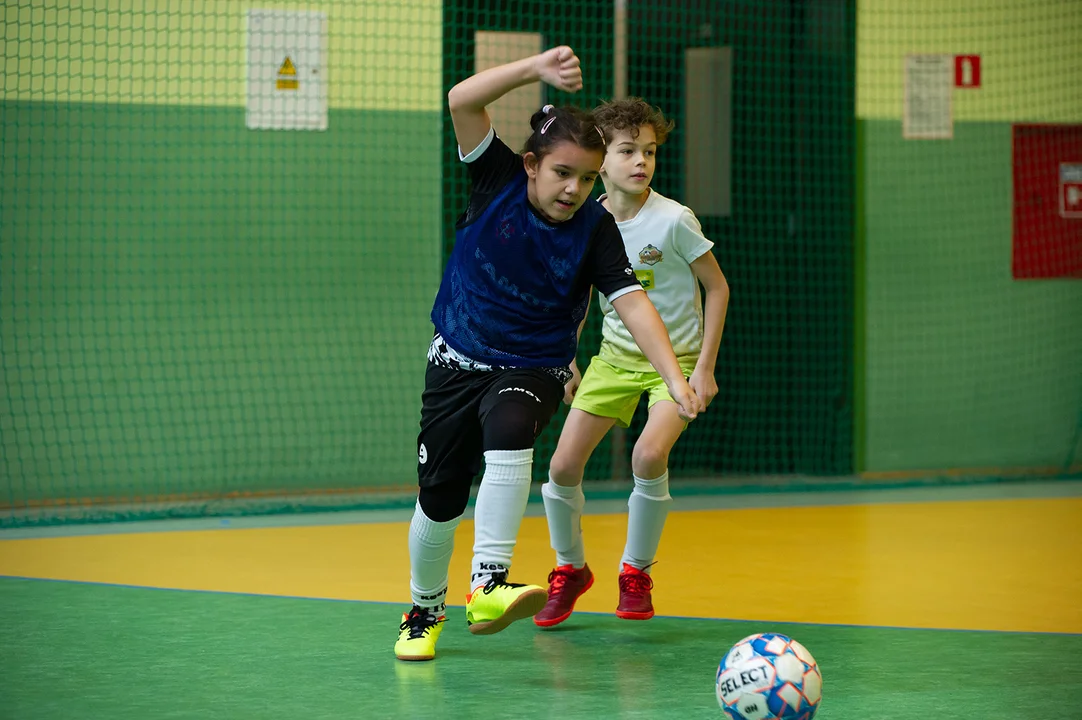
[287, 67]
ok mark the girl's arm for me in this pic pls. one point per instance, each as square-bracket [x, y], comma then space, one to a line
[572, 386]
[558, 67]
[582, 324]
[641, 319]
[715, 305]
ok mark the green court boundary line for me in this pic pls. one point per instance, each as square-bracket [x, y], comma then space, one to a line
[126, 586]
[300, 505]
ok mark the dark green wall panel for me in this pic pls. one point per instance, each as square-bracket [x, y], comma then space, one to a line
[966, 367]
[188, 306]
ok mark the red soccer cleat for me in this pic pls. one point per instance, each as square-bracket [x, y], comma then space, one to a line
[566, 585]
[635, 600]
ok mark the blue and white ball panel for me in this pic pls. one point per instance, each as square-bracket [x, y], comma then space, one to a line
[769, 677]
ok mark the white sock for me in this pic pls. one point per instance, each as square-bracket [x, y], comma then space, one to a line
[501, 502]
[431, 545]
[563, 508]
[647, 508]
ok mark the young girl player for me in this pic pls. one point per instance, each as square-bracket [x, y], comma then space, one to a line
[528, 248]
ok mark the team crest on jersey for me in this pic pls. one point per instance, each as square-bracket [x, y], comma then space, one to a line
[650, 255]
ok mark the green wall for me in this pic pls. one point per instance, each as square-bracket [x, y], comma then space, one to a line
[965, 366]
[191, 307]
[188, 307]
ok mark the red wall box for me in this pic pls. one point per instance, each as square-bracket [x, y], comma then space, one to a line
[967, 71]
[1047, 242]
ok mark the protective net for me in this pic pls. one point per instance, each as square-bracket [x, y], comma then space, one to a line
[973, 325]
[222, 227]
[195, 309]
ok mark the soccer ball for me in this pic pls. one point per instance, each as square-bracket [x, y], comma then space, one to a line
[769, 677]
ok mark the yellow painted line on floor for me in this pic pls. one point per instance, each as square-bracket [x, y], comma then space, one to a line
[994, 565]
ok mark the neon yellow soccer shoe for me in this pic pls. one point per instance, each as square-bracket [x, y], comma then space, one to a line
[499, 603]
[417, 635]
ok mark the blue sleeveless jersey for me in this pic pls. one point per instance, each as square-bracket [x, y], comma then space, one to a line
[511, 293]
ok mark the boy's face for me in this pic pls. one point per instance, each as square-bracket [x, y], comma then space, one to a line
[629, 161]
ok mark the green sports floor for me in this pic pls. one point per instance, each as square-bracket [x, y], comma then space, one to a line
[94, 627]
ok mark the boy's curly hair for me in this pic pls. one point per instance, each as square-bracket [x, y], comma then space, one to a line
[631, 114]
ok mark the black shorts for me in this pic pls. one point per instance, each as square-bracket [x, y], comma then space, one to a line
[465, 413]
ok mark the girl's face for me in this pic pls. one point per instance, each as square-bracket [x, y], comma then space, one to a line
[630, 161]
[562, 180]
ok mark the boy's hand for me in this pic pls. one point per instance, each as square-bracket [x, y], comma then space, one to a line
[704, 385]
[559, 67]
[685, 397]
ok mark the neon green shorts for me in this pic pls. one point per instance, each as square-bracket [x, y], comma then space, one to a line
[612, 392]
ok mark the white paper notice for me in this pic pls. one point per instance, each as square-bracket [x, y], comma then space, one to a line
[928, 83]
[287, 78]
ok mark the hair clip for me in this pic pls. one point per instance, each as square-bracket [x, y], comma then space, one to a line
[600, 133]
[547, 123]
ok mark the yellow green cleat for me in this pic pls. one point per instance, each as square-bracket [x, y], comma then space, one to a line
[499, 603]
[417, 635]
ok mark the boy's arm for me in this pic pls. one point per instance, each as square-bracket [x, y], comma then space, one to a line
[467, 100]
[715, 306]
